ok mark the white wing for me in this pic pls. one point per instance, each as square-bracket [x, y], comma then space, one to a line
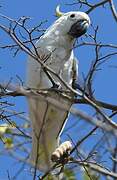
[47, 120]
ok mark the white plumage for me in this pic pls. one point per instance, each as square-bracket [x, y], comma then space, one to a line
[47, 119]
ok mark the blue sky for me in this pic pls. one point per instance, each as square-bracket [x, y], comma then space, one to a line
[104, 82]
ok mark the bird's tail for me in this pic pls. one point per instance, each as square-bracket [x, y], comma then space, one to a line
[47, 122]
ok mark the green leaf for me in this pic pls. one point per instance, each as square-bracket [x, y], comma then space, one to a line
[3, 129]
[8, 142]
[26, 125]
[89, 174]
[6, 128]
[69, 174]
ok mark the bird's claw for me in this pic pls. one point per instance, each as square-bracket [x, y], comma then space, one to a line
[56, 86]
[62, 152]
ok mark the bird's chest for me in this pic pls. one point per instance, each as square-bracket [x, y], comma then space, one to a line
[57, 58]
[57, 55]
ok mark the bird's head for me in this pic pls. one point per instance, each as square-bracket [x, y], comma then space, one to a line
[74, 23]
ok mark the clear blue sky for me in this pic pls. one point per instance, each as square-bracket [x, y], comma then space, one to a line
[105, 81]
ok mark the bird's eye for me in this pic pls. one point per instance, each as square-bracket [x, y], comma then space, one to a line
[72, 15]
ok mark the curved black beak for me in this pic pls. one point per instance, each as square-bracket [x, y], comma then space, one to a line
[79, 28]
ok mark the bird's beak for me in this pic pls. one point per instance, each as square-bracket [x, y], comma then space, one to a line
[79, 28]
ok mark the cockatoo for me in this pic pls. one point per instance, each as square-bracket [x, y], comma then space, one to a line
[55, 49]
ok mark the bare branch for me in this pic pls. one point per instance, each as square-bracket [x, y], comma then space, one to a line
[106, 125]
[96, 167]
[114, 46]
[96, 5]
[98, 102]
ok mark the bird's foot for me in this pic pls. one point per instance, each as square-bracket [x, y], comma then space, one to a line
[56, 86]
[61, 154]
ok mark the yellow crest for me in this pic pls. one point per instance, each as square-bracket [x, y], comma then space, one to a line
[58, 12]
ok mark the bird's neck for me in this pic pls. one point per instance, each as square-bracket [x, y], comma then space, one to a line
[54, 37]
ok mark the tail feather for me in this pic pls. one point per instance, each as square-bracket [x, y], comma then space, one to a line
[47, 122]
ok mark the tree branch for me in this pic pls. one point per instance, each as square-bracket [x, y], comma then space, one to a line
[96, 167]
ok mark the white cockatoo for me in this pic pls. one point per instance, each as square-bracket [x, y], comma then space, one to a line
[55, 48]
